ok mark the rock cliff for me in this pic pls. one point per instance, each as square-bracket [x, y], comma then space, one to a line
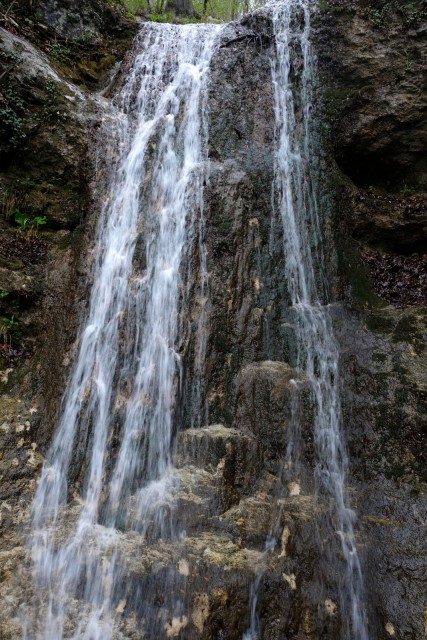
[371, 61]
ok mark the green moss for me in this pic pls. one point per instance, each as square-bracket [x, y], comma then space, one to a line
[395, 471]
[388, 422]
[379, 323]
[359, 278]
[406, 14]
[405, 330]
[335, 99]
[379, 357]
[88, 69]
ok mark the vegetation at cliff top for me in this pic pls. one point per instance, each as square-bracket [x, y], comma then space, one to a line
[223, 10]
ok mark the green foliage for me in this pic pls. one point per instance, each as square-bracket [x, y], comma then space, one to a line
[8, 58]
[136, 6]
[37, 221]
[87, 36]
[226, 10]
[21, 219]
[407, 191]
[61, 54]
[414, 13]
[26, 223]
[161, 17]
[223, 10]
[153, 8]
[323, 5]
[409, 62]
[4, 294]
[9, 327]
[116, 4]
[13, 113]
[52, 104]
[409, 13]
[377, 16]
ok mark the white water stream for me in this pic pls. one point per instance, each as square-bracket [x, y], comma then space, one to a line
[296, 192]
[127, 361]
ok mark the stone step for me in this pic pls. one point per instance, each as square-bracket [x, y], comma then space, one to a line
[237, 456]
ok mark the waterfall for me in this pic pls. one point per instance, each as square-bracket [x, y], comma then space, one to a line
[296, 202]
[117, 422]
[107, 489]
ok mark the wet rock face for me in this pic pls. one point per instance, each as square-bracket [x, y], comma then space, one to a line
[44, 183]
[380, 208]
[43, 149]
[250, 379]
[238, 206]
[370, 59]
[373, 54]
[83, 44]
[43, 179]
[375, 107]
[91, 20]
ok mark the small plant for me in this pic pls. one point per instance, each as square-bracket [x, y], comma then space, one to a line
[59, 53]
[13, 114]
[25, 223]
[161, 17]
[323, 5]
[8, 58]
[378, 17]
[37, 222]
[8, 327]
[406, 192]
[409, 62]
[413, 13]
[4, 294]
[409, 14]
[51, 90]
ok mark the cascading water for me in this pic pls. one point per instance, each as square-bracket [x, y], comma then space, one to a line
[296, 194]
[117, 420]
